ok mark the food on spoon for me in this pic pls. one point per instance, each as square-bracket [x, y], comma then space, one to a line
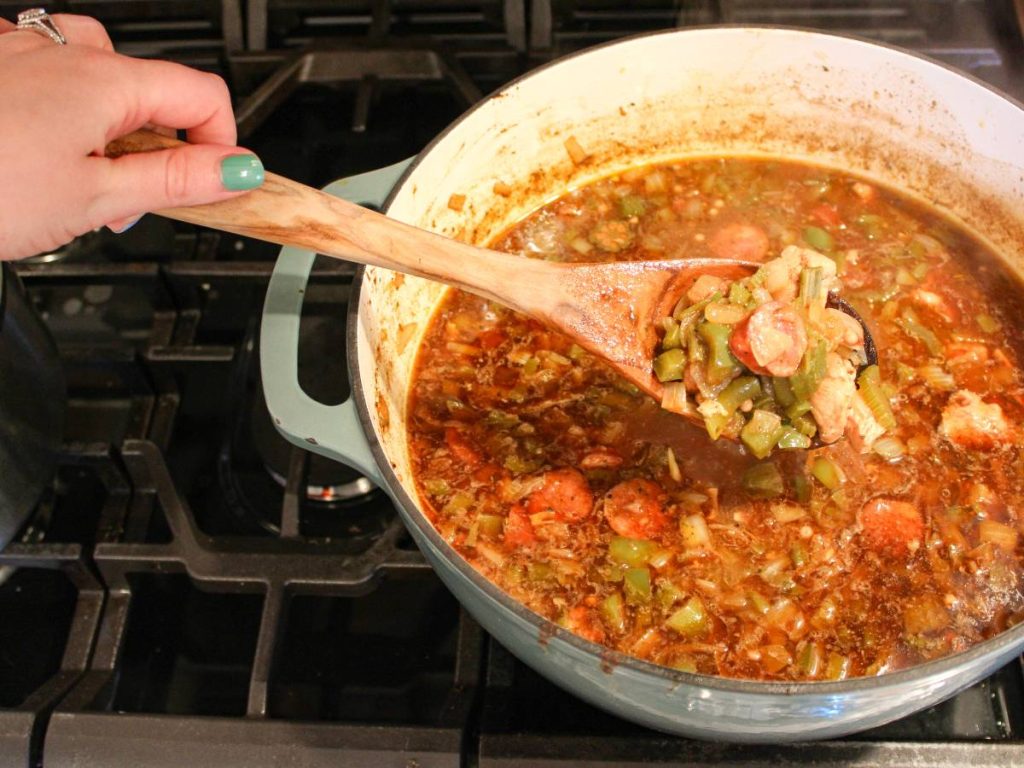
[593, 506]
[775, 326]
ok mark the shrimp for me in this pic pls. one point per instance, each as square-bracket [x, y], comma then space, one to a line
[634, 508]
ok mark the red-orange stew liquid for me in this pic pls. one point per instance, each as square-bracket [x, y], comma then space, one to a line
[587, 502]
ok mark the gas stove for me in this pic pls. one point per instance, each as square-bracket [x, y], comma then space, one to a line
[194, 590]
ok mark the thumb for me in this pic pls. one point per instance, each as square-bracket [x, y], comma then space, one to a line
[191, 174]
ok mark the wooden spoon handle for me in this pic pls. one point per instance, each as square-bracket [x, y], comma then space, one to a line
[289, 213]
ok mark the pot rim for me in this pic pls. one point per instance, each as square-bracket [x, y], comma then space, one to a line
[547, 630]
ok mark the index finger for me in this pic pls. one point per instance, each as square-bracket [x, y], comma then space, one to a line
[180, 97]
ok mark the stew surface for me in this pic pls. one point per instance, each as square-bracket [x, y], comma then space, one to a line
[592, 505]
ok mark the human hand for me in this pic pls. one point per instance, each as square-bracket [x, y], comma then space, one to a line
[61, 106]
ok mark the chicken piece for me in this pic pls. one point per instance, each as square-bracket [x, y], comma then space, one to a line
[706, 286]
[832, 401]
[772, 339]
[970, 422]
[634, 509]
[862, 428]
[739, 241]
[841, 330]
[891, 527]
[566, 493]
[782, 275]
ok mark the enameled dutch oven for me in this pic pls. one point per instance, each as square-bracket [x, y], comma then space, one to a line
[841, 102]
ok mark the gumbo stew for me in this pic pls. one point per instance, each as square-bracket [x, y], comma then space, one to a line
[597, 508]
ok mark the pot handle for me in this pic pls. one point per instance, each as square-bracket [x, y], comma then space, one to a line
[333, 431]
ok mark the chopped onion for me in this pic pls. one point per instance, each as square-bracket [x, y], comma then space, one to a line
[889, 448]
[673, 466]
[695, 532]
[937, 378]
[673, 398]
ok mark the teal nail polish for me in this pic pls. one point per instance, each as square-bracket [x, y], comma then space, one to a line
[241, 172]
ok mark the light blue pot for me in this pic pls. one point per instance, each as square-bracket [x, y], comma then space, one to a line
[677, 702]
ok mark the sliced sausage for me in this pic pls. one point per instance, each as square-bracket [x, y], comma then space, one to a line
[891, 527]
[566, 493]
[739, 241]
[634, 508]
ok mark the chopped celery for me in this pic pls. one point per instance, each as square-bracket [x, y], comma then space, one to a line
[761, 604]
[436, 487]
[637, 585]
[827, 472]
[910, 323]
[783, 392]
[691, 619]
[669, 365]
[632, 205]
[458, 503]
[539, 572]
[491, 525]
[872, 224]
[802, 488]
[811, 659]
[632, 552]
[838, 667]
[613, 612]
[722, 366]
[739, 391]
[684, 663]
[576, 352]
[672, 339]
[818, 239]
[812, 370]
[869, 383]
[798, 554]
[987, 323]
[763, 480]
[790, 439]
[739, 293]
[804, 424]
[762, 432]
[812, 288]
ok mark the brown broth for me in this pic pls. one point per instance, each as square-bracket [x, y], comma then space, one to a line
[785, 588]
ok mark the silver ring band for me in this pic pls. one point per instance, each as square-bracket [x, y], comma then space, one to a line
[38, 20]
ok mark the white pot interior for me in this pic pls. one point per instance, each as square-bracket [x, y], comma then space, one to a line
[722, 91]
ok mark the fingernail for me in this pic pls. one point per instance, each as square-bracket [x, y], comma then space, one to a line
[126, 227]
[241, 172]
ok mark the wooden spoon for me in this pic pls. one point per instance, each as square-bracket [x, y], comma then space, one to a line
[611, 309]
